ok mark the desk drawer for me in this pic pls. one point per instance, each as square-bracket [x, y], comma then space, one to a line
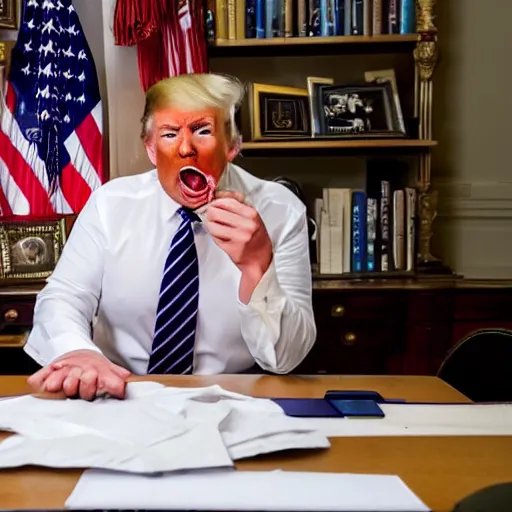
[355, 347]
[484, 305]
[387, 306]
[13, 312]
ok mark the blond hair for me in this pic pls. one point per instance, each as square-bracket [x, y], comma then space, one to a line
[196, 91]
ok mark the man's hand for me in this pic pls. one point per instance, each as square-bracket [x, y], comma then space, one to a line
[83, 373]
[238, 229]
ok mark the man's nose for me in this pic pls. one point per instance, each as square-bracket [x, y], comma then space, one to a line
[186, 147]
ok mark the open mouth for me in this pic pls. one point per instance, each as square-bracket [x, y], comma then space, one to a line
[196, 185]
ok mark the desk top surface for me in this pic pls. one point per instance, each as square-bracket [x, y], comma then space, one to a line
[440, 470]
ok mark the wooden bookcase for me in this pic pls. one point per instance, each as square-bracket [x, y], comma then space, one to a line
[288, 61]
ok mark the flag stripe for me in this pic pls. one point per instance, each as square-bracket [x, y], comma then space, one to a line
[90, 138]
[25, 179]
[74, 188]
[97, 114]
[7, 183]
[80, 161]
[10, 98]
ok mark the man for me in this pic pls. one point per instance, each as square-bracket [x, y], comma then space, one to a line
[158, 276]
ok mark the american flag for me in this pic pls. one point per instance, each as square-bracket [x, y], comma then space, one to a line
[51, 123]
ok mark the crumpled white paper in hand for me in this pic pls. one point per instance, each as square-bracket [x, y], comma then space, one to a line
[154, 429]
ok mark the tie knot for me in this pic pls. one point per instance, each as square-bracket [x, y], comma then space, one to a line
[188, 215]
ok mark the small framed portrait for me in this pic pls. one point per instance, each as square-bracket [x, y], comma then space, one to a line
[30, 250]
[9, 14]
[361, 111]
[279, 112]
[312, 80]
[388, 75]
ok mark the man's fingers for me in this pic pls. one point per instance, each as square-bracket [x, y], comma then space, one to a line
[221, 232]
[232, 205]
[230, 193]
[229, 218]
[71, 383]
[88, 384]
[55, 381]
[36, 381]
[111, 383]
[119, 370]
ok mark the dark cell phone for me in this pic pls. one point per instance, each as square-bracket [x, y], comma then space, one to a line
[307, 407]
[358, 408]
[354, 395]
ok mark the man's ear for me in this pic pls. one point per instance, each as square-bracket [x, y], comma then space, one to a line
[150, 150]
[234, 149]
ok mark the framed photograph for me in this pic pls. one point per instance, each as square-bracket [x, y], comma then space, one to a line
[312, 80]
[357, 111]
[30, 250]
[279, 112]
[9, 14]
[388, 75]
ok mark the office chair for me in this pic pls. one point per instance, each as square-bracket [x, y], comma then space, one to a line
[480, 366]
[495, 498]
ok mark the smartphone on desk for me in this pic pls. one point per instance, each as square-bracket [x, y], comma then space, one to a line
[358, 408]
[353, 394]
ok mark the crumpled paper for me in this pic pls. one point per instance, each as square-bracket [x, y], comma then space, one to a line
[154, 429]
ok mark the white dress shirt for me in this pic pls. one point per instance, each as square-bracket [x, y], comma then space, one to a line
[103, 293]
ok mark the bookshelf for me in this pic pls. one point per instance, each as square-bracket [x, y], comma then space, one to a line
[306, 41]
[278, 60]
[339, 144]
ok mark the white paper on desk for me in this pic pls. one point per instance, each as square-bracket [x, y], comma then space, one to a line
[244, 490]
[423, 420]
[154, 429]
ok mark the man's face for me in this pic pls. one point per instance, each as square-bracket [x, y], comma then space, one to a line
[179, 139]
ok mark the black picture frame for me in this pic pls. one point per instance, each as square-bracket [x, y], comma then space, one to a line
[364, 110]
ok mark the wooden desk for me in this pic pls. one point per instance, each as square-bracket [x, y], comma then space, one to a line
[440, 470]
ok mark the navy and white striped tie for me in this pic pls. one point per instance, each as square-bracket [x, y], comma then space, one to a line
[176, 317]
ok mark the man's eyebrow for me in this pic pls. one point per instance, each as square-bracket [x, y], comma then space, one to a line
[199, 123]
[169, 127]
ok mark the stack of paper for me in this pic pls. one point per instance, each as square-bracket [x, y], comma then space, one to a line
[154, 429]
[244, 490]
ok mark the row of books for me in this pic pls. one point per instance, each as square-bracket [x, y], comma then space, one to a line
[260, 19]
[358, 233]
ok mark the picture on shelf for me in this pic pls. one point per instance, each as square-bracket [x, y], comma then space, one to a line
[30, 249]
[362, 110]
[9, 10]
[312, 80]
[383, 76]
[279, 112]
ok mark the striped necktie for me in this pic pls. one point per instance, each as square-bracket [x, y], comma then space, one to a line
[176, 317]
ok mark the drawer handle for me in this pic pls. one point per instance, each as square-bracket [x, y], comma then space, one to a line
[11, 315]
[13, 340]
[349, 339]
[337, 311]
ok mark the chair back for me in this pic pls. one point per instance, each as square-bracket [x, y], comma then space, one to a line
[480, 366]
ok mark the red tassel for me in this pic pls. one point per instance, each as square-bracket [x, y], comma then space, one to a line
[134, 21]
[169, 35]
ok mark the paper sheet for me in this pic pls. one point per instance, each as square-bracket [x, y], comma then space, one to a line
[423, 420]
[244, 490]
[154, 429]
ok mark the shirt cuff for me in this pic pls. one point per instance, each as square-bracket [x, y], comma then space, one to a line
[57, 347]
[268, 288]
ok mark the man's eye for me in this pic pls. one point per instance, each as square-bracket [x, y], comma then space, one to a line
[169, 135]
[205, 131]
